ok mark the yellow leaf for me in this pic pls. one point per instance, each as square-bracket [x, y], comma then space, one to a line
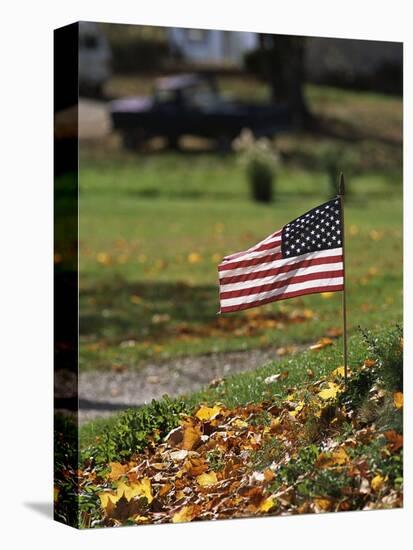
[207, 413]
[238, 423]
[140, 519]
[55, 493]
[187, 513]
[298, 408]
[267, 504]
[398, 399]
[327, 295]
[140, 489]
[330, 392]
[322, 504]
[339, 371]
[194, 258]
[117, 470]
[376, 235]
[107, 498]
[336, 458]
[135, 299]
[204, 480]
[103, 258]
[377, 482]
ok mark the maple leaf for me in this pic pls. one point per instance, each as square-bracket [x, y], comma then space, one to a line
[336, 458]
[124, 492]
[204, 480]
[330, 392]
[117, 470]
[267, 504]
[187, 513]
[140, 489]
[398, 399]
[205, 413]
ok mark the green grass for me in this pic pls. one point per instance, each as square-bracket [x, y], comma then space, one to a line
[154, 226]
[250, 387]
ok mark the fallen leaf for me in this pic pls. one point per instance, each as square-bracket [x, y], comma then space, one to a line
[267, 504]
[394, 439]
[176, 456]
[194, 258]
[205, 413]
[337, 458]
[322, 504]
[187, 513]
[192, 435]
[339, 371]
[275, 377]
[377, 482]
[299, 407]
[164, 490]
[140, 489]
[322, 343]
[334, 332]
[369, 363]
[398, 399]
[117, 470]
[204, 480]
[330, 392]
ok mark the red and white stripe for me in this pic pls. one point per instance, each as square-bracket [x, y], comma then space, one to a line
[261, 275]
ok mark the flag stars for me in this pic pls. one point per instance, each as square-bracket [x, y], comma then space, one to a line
[315, 230]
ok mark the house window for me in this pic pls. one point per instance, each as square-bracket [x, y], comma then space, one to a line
[196, 35]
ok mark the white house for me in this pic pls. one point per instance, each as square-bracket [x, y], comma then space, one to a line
[211, 46]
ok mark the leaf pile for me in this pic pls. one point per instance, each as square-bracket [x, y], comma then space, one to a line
[311, 452]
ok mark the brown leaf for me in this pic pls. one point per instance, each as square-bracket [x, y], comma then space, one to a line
[322, 343]
[192, 435]
[395, 440]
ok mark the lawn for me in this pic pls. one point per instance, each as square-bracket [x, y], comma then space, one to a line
[154, 227]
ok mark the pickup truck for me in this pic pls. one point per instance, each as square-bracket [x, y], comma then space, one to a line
[190, 104]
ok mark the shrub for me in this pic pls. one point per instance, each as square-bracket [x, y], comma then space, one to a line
[261, 163]
[136, 428]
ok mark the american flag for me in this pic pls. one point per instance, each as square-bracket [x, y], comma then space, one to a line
[304, 257]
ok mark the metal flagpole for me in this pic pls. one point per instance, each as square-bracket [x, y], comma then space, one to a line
[341, 195]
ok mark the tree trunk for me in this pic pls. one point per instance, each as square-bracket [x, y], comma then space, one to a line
[282, 65]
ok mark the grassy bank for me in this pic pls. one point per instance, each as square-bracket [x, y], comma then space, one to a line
[288, 438]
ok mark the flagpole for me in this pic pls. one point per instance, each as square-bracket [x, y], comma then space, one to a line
[341, 196]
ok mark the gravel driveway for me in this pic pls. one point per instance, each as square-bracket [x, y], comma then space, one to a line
[101, 393]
